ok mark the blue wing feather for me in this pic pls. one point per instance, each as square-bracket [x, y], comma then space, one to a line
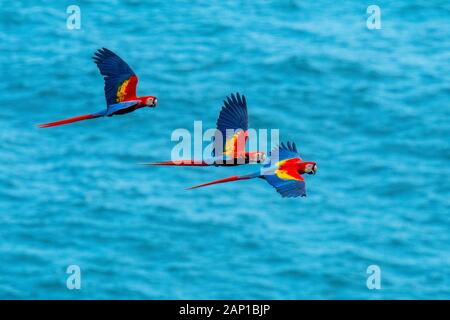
[287, 188]
[114, 70]
[120, 106]
[283, 152]
[233, 115]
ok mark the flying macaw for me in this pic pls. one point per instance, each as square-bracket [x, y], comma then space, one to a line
[233, 117]
[283, 171]
[120, 89]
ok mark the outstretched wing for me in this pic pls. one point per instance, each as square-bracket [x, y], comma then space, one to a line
[289, 185]
[283, 152]
[120, 80]
[233, 116]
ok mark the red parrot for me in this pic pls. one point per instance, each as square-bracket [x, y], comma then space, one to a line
[233, 116]
[120, 89]
[283, 171]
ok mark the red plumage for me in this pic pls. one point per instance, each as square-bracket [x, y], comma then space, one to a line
[69, 120]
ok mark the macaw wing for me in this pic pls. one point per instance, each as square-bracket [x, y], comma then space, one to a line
[113, 108]
[283, 152]
[287, 185]
[233, 116]
[120, 80]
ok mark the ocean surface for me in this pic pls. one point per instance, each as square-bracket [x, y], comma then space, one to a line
[370, 106]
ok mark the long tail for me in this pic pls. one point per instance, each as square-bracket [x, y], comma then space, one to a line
[184, 163]
[70, 120]
[229, 179]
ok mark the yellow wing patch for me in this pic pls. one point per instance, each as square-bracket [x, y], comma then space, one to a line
[283, 174]
[122, 91]
[233, 144]
[281, 163]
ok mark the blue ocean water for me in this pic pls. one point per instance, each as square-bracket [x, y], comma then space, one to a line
[370, 106]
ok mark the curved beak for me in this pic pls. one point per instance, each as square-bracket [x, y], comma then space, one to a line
[315, 169]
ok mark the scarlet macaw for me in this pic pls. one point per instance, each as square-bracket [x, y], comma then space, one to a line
[233, 116]
[283, 171]
[120, 89]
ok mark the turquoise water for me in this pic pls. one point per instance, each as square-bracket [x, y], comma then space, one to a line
[370, 106]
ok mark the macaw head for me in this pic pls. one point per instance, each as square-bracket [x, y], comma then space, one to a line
[151, 101]
[257, 157]
[309, 167]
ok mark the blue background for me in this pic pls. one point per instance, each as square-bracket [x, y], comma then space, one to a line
[370, 106]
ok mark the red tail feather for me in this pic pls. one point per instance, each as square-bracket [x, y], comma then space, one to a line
[66, 121]
[229, 179]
